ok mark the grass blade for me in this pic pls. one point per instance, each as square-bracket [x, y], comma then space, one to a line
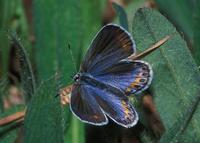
[27, 77]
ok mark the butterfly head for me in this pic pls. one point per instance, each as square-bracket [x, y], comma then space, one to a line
[76, 78]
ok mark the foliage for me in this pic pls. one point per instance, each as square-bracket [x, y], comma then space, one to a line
[27, 77]
[9, 132]
[196, 29]
[43, 120]
[174, 97]
[170, 84]
[60, 23]
[181, 13]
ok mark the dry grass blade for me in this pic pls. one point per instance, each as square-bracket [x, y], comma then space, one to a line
[11, 118]
[150, 50]
[19, 116]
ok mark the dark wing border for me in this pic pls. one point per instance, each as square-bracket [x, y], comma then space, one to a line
[95, 38]
[85, 121]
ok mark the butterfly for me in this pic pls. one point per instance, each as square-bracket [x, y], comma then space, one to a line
[107, 77]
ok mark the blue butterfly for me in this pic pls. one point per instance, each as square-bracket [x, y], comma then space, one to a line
[106, 79]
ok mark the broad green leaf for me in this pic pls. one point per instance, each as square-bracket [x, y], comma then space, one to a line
[57, 24]
[91, 14]
[43, 120]
[176, 81]
[45, 22]
[180, 12]
[196, 29]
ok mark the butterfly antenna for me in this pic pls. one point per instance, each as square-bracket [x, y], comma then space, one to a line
[72, 58]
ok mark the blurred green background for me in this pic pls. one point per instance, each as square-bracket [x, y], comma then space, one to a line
[36, 63]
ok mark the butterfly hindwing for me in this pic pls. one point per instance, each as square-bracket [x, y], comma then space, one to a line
[84, 105]
[130, 76]
[113, 102]
[89, 103]
[117, 107]
[111, 44]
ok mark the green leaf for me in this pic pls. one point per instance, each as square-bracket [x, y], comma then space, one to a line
[76, 133]
[91, 14]
[131, 10]
[12, 17]
[176, 81]
[196, 29]
[3, 85]
[7, 10]
[57, 24]
[8, 133]
[180, 13]
[43, 120]
[125, 15]
[123, 20]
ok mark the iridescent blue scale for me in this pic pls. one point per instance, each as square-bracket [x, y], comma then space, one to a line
[107, 78]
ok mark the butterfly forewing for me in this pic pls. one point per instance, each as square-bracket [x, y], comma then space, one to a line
[110, 45]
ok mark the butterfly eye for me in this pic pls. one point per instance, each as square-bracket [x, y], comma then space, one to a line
[76, 77]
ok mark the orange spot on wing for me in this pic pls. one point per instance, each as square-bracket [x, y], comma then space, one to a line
[133, 84]
[126, 110]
